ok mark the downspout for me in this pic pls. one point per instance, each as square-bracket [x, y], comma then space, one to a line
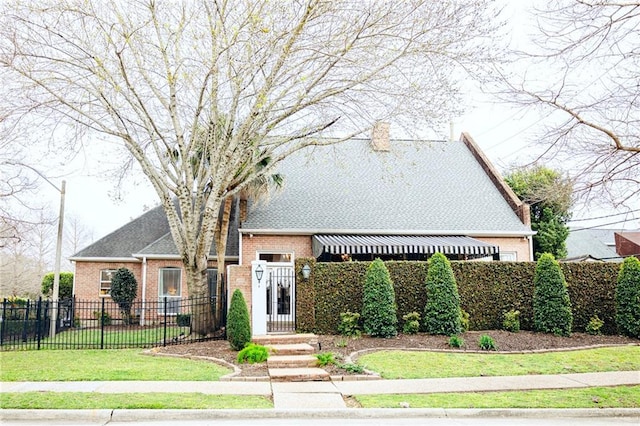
[240, 248]
[530, 238]
[144, 289]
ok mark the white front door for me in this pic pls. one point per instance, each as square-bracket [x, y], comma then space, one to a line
[280, 298]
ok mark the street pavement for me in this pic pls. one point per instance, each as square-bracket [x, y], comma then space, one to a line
[314, 402]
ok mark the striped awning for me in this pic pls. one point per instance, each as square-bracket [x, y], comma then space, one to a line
[400, 244]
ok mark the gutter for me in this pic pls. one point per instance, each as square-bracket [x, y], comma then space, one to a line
[469, 233]
[105, 259]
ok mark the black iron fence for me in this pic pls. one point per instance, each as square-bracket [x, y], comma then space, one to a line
[102, 324]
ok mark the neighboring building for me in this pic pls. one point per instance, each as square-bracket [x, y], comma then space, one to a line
[628, 243]
[607, 245]
[357, 200]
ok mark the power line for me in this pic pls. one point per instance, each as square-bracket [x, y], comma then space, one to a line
[598, 226]
[604, 217]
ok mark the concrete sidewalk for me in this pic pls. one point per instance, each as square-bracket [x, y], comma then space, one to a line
[329, 395]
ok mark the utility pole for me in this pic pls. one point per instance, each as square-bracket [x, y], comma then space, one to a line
[56, 274]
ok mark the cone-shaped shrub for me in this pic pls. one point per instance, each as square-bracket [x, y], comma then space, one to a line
[124, 289]
[628, 298]
[238, 323]
[379, 302]
[551, 304]
[442, 311]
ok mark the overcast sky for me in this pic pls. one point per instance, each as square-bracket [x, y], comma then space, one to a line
[504, 133]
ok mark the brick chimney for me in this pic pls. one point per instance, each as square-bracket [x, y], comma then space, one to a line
[380, 136]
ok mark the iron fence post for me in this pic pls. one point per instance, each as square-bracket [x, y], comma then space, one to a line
[3, 320]
[102, 325]
[38, 322]
[25, 323]
[164, 339]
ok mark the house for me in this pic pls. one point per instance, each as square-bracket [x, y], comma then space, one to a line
[357, 200]
[628, 243]
[592, 245]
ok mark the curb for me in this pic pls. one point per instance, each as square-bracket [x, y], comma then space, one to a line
[107, 415]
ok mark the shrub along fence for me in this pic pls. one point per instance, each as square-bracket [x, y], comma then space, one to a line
[487, 290]
[100, 324]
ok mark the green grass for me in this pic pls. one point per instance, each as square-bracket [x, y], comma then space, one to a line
[95, 401]
[99, 365]
[420, 365]
[597, 397]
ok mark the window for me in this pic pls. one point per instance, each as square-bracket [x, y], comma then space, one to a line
[212, 280]
[170, 288]
[508, 256]
[105, 281]
[276, 257]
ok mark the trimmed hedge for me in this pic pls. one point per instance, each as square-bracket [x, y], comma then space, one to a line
[486, 289]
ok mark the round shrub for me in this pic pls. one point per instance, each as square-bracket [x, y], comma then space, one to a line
[551, 304]
[628, 298]
[379, 316]
[442, 311]
[238, 323]
[65, 285]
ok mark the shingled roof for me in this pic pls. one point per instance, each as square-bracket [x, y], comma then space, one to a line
[416, 187]
[149, 235]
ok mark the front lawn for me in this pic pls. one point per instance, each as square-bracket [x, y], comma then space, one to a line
[596, 397]
[157, 401]
[102, 365]
[423, 365]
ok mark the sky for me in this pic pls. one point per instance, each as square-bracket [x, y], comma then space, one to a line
[503, 132]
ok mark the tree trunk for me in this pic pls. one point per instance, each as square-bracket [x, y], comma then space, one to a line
[222, 232]
[202, 318]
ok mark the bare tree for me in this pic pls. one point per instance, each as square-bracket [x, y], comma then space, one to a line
[582, 74]
[235, 82]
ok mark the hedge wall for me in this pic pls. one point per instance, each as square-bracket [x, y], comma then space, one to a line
[487, 289]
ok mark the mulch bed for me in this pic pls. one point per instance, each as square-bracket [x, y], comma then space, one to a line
[342, 347]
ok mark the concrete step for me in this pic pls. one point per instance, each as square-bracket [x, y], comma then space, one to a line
[285, 339]
[291, 349]
[298, 375]
[292, 361]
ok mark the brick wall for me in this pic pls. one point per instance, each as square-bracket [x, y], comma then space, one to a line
[239, 278]
[87, 277]
[299, 245]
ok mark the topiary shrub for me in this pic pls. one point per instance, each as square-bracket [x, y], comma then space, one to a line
[464, 320]
[594, 325]
[628, 298]
[238, 323]
[442, 311]
[349, 324]
[511, 321]
[124, 289]
[411, 323]
[379, 318]
[551, 304]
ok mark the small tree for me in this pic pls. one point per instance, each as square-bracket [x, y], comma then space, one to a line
[551, 304]
[379, 302]
[442, 311]
[628, 298]
[238, 322]
[124, 289]
[66, 285]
